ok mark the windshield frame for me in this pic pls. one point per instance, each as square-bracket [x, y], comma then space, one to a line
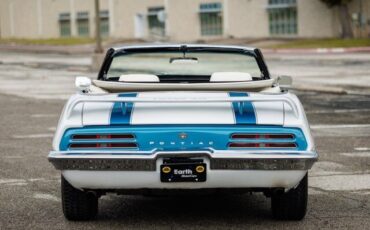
[112, 53]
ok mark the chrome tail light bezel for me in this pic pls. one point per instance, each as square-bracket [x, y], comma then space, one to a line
[262, 140]
[103, 141]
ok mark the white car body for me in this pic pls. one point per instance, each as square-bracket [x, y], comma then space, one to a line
[79, 112]
[137, 133]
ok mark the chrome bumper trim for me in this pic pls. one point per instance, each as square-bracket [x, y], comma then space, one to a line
[219, 160]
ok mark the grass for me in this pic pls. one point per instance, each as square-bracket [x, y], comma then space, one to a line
[324, 43]
[51, 41]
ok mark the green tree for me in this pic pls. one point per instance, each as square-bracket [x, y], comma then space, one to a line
[344, 17]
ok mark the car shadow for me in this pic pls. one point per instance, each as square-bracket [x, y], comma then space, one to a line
[184, 209]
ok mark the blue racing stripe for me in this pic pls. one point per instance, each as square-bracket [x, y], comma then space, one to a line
[121, 111]
[243, 111]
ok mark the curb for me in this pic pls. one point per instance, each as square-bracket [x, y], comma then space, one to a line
[318, 50]
[46, 49]
[89, 49]
[320, 89]
[328, 89]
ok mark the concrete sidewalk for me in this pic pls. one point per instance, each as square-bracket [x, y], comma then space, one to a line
[318, 50]
[89, 48]
[48, 49]
[332, 73]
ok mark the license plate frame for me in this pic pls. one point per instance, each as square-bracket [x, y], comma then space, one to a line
[183, 172]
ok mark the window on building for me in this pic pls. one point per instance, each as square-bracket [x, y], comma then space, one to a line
[282, 17]
[83, 24]
[65, 24]
[104, 23]
[156, 22]
[211, 19]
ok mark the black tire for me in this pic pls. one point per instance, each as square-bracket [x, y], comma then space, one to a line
[77, 204]
[291, 205]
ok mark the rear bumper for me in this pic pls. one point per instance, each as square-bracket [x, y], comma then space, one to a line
[225, 169]
[218, 160]
[216, 179]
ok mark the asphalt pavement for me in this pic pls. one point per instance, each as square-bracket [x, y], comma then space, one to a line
[32, 97]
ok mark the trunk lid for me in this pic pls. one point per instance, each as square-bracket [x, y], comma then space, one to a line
[184, 113]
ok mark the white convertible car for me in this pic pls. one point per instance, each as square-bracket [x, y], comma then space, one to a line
[183, 119]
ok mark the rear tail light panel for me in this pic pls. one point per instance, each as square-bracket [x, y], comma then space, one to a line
[103, 141]
[102, 136]
[262, 136]
[102, 145]
[166, 138]
[262, 145]
[262, 140]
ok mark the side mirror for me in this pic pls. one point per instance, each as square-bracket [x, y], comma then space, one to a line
[83, 83]
[285, 82]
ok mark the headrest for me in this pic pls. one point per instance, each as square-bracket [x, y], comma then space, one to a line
[138, 78]
[230, 77]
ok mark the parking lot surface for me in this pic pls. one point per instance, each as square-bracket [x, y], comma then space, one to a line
[339, 184]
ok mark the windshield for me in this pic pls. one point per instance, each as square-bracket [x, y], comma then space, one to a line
[191, 64]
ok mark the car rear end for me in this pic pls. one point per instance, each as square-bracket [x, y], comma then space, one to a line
[149, 142]
[136, 142]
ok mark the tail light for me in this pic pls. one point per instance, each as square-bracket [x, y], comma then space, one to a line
[92, 141]
[262, 140]
[103, 145]
[262, 136]
[108, 136]
[262, 145]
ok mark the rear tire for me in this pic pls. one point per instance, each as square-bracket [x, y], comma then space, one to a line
[291, 205]
[77, 204]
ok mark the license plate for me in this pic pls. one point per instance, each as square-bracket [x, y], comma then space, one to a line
[190, 172]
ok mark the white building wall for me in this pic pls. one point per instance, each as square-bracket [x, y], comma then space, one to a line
[125, 13]
[184, 20]
[248, 18]
[241, 18]
[315, 19]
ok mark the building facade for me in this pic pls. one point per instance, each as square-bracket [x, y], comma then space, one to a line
[178, 20]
